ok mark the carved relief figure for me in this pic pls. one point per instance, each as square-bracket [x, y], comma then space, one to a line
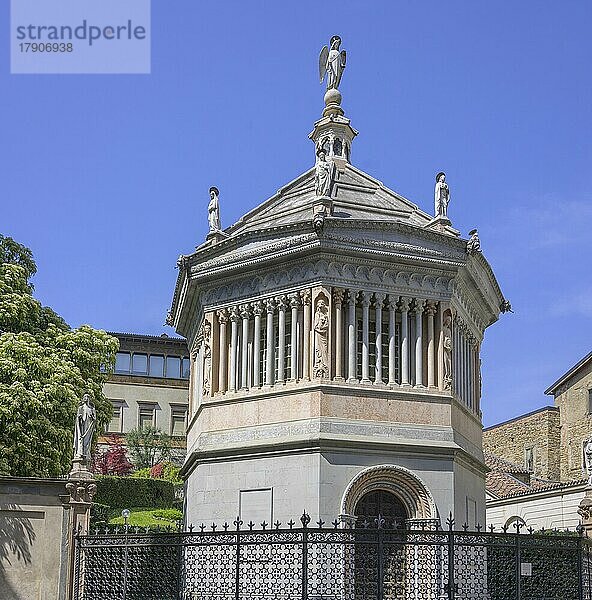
[84, 428]
[214, 211]
[588, 460]
[332, 63]
[441, 195]
[447, 334]
[323, 174]
[321, 332]
[207, 358]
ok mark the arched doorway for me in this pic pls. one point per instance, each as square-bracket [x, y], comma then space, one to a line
[400, 498]
[380, 504]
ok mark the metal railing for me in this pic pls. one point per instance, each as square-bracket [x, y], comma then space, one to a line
[370, 561]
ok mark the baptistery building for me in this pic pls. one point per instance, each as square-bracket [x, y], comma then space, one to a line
[334, 334]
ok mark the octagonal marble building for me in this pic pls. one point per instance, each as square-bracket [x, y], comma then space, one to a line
[335, 344]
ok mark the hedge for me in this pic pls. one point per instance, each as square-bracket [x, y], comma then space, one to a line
[128, 492]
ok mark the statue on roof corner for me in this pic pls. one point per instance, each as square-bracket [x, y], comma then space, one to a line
[441, 195]
[332, 63]
[214, 211]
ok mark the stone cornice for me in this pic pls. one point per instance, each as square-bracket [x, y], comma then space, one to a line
[226, 256]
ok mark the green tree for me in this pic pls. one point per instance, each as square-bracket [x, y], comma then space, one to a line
[45, 368]
[147, 446]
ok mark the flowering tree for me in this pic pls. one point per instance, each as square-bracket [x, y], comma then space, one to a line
[45, 368]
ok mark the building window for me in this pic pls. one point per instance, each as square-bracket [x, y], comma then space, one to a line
[173, 367]
[122, 362]
[146, 416]
[140, 364]
[156, 365]
[116, 423]
[178, 421]
[185, 367]
[590, 402]
[529, 459]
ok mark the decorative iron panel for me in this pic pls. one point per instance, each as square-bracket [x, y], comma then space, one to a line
[373, 561]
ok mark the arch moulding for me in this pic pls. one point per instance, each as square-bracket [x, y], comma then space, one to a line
[401, 482]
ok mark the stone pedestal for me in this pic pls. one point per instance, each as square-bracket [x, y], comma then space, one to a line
[81, 488]
[585, 512]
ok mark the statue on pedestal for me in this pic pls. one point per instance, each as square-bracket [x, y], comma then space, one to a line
[441, 195]
[84, 428]
[332, 63]
[214, 211]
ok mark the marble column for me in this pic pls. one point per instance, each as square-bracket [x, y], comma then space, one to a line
[378, 302]
[234, 319]
[269, 342]
[365, 297]
[419, 306]
[222, 351]
[245, 315]
[294, 304]
[404, 308]
[282, 305]
[258, 309]
[338, 294]
[431, 312]
[392, 306]
[352, 375]
[306, 301]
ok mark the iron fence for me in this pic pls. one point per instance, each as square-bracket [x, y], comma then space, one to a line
[370, 561]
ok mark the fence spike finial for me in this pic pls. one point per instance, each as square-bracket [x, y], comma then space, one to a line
[305, 519]
[450, 521]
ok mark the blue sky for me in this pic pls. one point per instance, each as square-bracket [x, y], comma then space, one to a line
[106, 177]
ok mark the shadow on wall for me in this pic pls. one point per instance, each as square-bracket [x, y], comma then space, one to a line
[16, 538]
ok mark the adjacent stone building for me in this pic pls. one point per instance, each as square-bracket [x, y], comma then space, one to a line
[531, 440]
[335, 332]
[573, 397]
[149, 386]
[549, 442]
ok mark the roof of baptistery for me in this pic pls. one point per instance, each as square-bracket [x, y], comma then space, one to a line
[356, 196]
[346, 216]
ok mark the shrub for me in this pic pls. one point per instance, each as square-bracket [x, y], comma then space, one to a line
[142, 473]
[166, 470]
[99, 513]
[113, 461]
[168, 514]
[127, 492]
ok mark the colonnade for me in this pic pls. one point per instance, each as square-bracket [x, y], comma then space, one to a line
[371, 338]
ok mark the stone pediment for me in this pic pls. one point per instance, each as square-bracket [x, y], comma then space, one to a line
[355, 196]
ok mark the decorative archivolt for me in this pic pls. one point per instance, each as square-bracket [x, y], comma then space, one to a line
[401, 482]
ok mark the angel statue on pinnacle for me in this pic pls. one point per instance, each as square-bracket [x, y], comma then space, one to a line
[332, 63]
